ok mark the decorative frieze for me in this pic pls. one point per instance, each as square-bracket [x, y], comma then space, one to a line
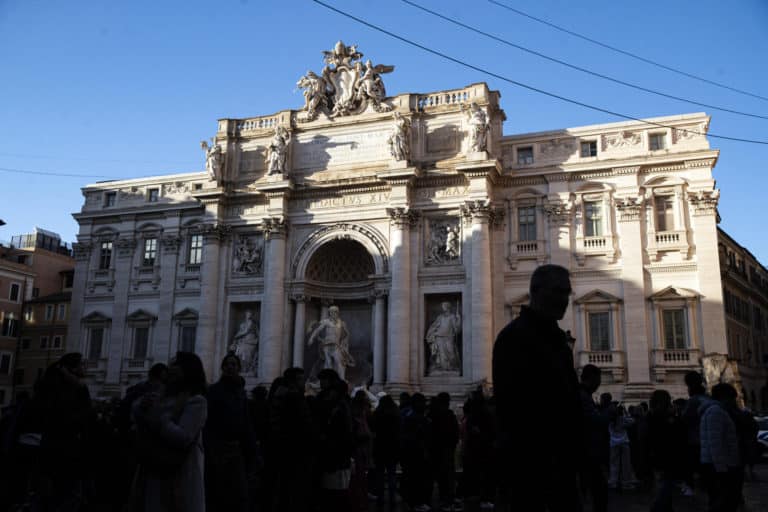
[622, 139]
[558, 212]
[248, 256]
[171, 243]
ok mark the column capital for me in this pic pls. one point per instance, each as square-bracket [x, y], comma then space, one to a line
[482, 212]
[82, 250]
[299, 297]
[558, 211]
[171, 243]
[215, 232]
[275, 227]
[125, 247]
[629, 208]
[403, 218]
[704, 202]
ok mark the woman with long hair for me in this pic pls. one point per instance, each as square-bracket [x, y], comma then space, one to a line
[169, 440]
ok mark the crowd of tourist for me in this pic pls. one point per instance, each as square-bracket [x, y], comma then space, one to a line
[175, 443]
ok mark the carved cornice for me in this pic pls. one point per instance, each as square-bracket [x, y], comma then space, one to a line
[275, 227]
[82, 250]
[403, 218]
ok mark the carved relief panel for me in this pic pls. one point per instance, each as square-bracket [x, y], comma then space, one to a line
[248, 255]
[442, 241]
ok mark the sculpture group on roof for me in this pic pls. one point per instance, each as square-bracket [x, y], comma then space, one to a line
[346, 85]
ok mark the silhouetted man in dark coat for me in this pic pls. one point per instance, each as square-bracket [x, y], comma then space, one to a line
[538, 403]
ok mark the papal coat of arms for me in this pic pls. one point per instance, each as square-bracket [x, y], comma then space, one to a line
[346, 85]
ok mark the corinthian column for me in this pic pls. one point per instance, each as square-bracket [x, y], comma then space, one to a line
[273, 305]
[399, 321]
[480, 214]
[213, 238]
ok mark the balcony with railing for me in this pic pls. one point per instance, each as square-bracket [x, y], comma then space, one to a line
[101, 277]
[132, 365]
[676, 358]
[526, 250]
[613, 361]
[661, 241]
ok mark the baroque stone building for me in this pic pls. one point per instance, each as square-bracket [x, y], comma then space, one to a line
[421, 222]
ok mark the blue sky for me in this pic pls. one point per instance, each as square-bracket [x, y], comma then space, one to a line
[128, 89]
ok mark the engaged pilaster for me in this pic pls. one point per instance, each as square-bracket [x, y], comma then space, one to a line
[273, 306]
[214, 236]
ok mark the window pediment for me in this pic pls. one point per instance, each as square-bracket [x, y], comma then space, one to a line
[186, 314]
[674, 293]
[598, 297]
[141, 315]
[96, 317]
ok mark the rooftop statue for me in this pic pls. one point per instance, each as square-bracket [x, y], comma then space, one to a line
[345, 87]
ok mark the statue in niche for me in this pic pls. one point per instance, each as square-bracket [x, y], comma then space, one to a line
[247, 259]
[245, 343]
[277, 152]
[441, 340]
[333, 338]
[478, 128]
[399, 142]
[443, 246]
[213, 159]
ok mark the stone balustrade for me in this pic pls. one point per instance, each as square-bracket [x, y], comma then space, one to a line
[595, 243]
[456, 97]
[682, 358]
[527, 247]
[602, 358]
[257, 123]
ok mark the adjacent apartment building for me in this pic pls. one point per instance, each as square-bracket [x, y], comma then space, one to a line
[745, 297]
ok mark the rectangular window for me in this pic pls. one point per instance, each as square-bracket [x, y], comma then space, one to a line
[525, 155]
[49, 312]
[62, 312]
[57, 341]
[95, 344]
[665, 213]
[589, 148]
[25, 343]
[656, 141]
[105, 255]
[600, 331]
[593, 218]
[109, 198]
[10, 327]
[35, 293]
[195, 250]
[5, 363]
[526, 223]
[43, 341]
[18, 376]
[140, 342]
[153, 194]
[28, 313]
[188, 335]
[13, 296]
[674, 329]
[150, 252]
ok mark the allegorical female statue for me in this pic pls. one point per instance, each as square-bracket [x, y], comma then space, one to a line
[245, 343]
[441, 339]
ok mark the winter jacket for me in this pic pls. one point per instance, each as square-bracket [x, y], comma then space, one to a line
[719, 439]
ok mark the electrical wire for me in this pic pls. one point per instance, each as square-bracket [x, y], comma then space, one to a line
[521, 84]
[579, 68]
[628, 54]
[49, 173]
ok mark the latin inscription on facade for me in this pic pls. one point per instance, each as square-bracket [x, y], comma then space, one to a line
[345, 201]
[321, 151]
[439, 193]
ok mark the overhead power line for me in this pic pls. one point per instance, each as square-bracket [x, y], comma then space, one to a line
[51, 173]
[521, 84]
[628, 54]
[579, 68]
[88, 159]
